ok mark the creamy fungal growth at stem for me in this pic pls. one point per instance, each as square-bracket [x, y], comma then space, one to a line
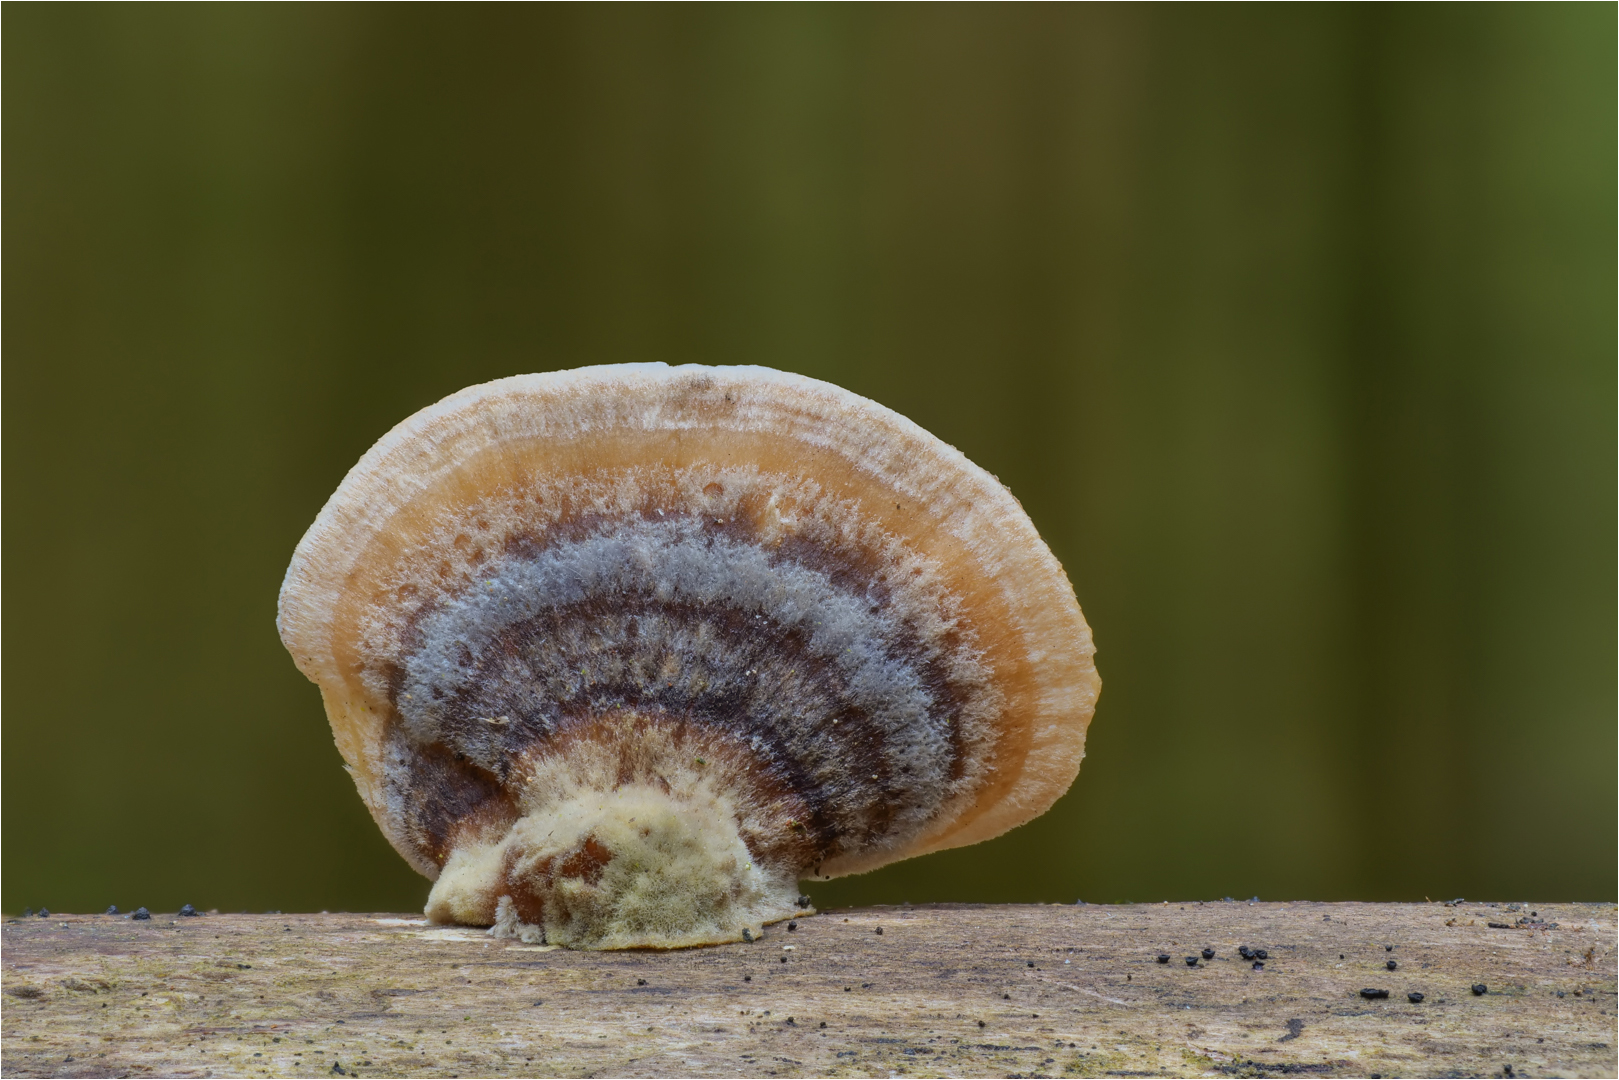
[617, 656]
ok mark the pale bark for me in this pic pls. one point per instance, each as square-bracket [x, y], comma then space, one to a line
[943, 990]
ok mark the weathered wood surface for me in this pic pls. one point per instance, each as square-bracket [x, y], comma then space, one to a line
[940, 991]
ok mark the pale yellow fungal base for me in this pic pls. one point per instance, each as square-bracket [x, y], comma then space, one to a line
[631, 839]
[676, 874]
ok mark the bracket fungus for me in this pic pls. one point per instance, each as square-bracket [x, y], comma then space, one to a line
[616, 656]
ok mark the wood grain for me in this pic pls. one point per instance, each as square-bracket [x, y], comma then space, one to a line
[942, 990]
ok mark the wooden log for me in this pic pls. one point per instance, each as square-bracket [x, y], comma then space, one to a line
[945, 990]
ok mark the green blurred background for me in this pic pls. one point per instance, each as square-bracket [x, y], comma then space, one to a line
[1292, 327]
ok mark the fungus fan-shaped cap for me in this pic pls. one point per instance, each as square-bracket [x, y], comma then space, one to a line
[682, 594]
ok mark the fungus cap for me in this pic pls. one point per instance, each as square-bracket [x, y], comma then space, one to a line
[617, 655]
